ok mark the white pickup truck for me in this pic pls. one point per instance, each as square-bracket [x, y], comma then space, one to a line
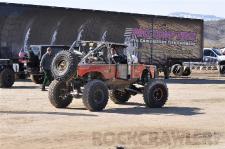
[212, 55]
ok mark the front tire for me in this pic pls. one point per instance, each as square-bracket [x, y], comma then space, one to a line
[119, 97]
[155, 94]
[58, 94]
[7, 78]
[95, 95]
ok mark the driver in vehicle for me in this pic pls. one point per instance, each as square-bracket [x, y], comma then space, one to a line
[118, 56]
[100, 56]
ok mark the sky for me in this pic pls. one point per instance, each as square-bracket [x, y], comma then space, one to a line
[156, 7]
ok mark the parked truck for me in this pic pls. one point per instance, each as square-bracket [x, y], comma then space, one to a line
[155, 40]
[214, 56]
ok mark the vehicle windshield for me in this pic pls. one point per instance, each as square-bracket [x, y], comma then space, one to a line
[217, 51]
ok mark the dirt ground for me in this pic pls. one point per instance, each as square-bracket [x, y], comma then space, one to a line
[194, 117]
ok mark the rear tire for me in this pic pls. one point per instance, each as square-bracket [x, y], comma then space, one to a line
[95, 95]
[119, 97]
[7, 78]
[37, 79]
[58, 94]
[64, 65]
[155, 94]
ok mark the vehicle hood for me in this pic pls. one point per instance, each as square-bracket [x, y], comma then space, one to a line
[221, 58]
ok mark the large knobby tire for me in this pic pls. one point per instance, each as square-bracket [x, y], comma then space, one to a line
[64, 65]
[58, 94]
[155, 94]
[187, 71]
[119, 97]
[95, 95]
[37, 79]
[7, 78]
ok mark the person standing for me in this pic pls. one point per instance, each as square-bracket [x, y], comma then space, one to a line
[45, 65]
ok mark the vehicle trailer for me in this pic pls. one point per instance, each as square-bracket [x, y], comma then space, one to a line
[7, 75]
[155, 40]
[109, 66]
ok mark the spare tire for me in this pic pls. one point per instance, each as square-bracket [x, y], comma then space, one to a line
[7, 78]
[64, 65]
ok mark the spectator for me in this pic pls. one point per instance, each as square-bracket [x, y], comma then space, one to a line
[45, 65]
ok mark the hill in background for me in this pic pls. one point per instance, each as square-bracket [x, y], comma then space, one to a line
[197, 16]
[214, 33]
[214, 28]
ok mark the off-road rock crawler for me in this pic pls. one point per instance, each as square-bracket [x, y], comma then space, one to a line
[107, 66]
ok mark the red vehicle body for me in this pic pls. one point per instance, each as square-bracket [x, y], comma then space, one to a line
[110, 71]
